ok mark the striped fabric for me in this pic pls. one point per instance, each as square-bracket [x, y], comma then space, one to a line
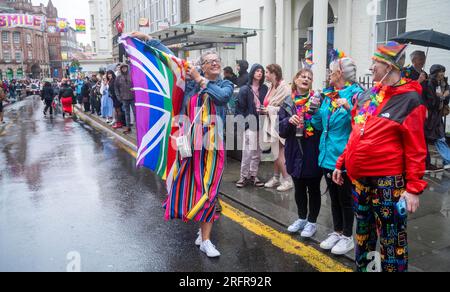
[197, 180]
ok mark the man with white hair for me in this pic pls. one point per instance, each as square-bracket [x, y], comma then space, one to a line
[415, 71]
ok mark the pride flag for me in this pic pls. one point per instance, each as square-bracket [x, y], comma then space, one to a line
[80, 25]
[158, 83]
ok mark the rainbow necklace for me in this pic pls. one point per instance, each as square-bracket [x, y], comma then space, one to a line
[377, 97]
[302, 104]
[333, 94]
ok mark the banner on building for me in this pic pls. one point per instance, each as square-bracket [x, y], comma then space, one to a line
[120, 26]
[51, 26]
[144, 22]
[80, 25]
[62, 25]
[22, 20]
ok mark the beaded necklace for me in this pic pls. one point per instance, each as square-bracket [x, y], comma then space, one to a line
[377, 97]
[302, 104]
[333, 94]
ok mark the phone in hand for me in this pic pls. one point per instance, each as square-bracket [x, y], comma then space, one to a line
[402, 207]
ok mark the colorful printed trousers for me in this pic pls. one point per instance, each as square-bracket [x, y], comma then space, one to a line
[375, 203]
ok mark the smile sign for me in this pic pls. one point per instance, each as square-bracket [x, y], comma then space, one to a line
[21, 20]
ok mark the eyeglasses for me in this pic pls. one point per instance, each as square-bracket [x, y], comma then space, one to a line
[211, 62]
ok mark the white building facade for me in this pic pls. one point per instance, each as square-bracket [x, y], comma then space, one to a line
[101, 30]
[353, 26]
[159, 13]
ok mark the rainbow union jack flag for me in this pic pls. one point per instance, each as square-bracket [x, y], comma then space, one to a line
[159, 81]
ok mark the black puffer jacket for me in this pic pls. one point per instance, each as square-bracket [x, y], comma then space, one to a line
[47, 94]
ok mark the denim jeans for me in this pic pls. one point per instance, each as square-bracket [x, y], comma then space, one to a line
[443, 150]
[128, 106]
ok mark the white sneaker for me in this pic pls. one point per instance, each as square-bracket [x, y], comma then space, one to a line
[199, 240]
[331, 241]
[286, 185]
[209, 249]
[309, 231]
[297, 226]
[273, 183]
[344, 246]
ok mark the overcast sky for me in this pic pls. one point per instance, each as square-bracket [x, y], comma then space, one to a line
[78, 9]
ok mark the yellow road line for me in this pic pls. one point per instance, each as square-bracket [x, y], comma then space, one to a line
[315, 258]
[286, 243]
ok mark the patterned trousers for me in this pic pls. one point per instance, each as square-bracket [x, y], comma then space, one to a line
[375, 204]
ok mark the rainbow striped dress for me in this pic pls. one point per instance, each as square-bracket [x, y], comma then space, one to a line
[195, 188]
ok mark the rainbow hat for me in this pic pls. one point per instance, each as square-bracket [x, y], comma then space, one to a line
[391, 53]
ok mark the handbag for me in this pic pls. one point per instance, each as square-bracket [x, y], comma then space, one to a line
[183, 142]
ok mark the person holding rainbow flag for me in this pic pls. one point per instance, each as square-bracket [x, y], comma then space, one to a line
[166, 87]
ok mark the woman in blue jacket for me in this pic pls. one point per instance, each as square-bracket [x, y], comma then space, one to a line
[334, 120]
[302, 153]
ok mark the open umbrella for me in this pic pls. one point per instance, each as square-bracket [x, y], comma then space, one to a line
[425, 38]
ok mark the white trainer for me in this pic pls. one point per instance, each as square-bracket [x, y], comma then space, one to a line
[309, 231]
[209, 249]
[286, 185]
[297, 226]
[331, 241]
[272, 183]
[344, 246]
[199, 240]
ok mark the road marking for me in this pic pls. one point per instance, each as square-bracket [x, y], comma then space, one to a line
[285, 242]
[318, 260]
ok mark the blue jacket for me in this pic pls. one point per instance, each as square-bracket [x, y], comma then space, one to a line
[302, 155]
[220, 90]
[336, 129]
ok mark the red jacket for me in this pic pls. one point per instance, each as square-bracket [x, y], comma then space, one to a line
[393, 142]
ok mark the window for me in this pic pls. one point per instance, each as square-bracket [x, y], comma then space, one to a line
[18, 57]
[30, 55]
[16, 37]
[7, 56]
[5, 37]
[391, 21]
[29, 39]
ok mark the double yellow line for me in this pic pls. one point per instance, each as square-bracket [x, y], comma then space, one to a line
[286, 243]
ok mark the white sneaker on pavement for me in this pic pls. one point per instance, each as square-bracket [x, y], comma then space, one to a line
[199, 240]
[331, 241]
[309, 231]
[272, 183]
[344, 246]
[297, 226]
[209, 249]
[286, 185]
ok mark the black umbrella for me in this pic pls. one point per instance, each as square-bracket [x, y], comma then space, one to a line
[426, 38]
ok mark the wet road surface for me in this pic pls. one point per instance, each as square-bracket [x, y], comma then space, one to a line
[66, 189]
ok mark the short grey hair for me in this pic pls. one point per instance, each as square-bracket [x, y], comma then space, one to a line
[418, 54]
[202, 58]
[348, 68]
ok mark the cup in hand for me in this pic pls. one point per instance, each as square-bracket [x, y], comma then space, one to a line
[301, 126]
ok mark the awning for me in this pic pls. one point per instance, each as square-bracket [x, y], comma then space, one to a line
[198, 36]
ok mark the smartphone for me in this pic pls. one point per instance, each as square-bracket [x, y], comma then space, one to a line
[402, 207]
